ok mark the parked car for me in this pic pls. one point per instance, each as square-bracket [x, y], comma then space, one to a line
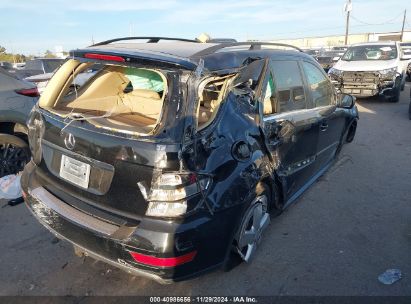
[19, 65]
[312, 52]
[17, 98]
[168, 161]
[42, 80]
[371, 69]
[6, 65]
[327, 59]
[409, 71]
[39, 66]
[409, 107]
[406, 49]
[342, 48]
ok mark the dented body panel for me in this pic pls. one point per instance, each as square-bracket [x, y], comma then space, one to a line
[224, 162]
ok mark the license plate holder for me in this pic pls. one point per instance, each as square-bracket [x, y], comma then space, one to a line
[75, 171]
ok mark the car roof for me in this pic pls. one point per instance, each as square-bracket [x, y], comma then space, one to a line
[189, 54]
[178, 49]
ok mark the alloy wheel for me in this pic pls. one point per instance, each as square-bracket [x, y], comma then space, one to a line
[255, 221]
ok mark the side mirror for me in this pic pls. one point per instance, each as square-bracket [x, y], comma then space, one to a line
[345, 101]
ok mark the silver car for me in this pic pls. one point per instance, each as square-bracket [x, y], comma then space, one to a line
[17, 98]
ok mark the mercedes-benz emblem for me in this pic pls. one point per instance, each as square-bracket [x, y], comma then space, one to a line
[70, 141]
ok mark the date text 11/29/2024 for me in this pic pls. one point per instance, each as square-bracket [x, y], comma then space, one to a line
[203, 299]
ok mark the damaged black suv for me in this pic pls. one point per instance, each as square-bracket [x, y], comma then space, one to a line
[166, 158]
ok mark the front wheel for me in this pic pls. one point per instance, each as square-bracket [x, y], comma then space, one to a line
[396, 95]
[396, 91]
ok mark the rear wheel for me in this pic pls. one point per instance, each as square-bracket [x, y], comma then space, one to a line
[14, 154]
[255, 220]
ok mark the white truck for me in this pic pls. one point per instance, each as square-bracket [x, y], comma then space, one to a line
[371, 69]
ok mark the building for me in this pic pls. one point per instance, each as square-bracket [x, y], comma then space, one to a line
[329, 41]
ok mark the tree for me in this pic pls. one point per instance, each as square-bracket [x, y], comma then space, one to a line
[2, 50]
[49, 54]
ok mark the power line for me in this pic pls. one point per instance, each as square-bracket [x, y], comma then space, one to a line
[363, 24]
[281, 35]
[390, 21]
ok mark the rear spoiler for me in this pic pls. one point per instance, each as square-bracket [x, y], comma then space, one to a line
[134, 57]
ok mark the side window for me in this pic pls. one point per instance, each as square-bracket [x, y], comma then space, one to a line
[320, 87]
[211, 93]
[290, 87]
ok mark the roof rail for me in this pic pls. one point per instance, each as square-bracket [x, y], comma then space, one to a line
[254, 45]
[150, 40]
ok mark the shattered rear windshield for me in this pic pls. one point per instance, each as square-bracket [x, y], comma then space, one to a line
[370, 52]
[110, 96]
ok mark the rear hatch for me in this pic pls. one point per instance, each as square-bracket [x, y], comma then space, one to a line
[108, 127]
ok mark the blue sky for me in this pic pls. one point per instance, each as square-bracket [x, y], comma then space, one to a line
[33, 26]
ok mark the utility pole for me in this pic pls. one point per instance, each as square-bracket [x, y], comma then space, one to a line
[403, 24]
[347, 9]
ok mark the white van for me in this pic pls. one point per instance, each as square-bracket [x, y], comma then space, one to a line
[370, 69]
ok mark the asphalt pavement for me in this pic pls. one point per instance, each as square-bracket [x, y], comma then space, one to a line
[348, 228]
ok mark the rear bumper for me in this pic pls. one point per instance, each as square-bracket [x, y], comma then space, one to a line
[87, 252]
[112, 242]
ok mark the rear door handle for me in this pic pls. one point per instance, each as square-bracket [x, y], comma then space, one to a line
[324, 126]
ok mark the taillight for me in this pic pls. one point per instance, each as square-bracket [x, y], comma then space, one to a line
[171, 192]
[35, 133]
[104, 57]
[33, 92]
[163, 262]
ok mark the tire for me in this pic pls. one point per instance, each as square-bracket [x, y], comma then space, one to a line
[396, 91]
[351, 132]
[396, 95]
[409, 107]
[255, 220]
[14, 154]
